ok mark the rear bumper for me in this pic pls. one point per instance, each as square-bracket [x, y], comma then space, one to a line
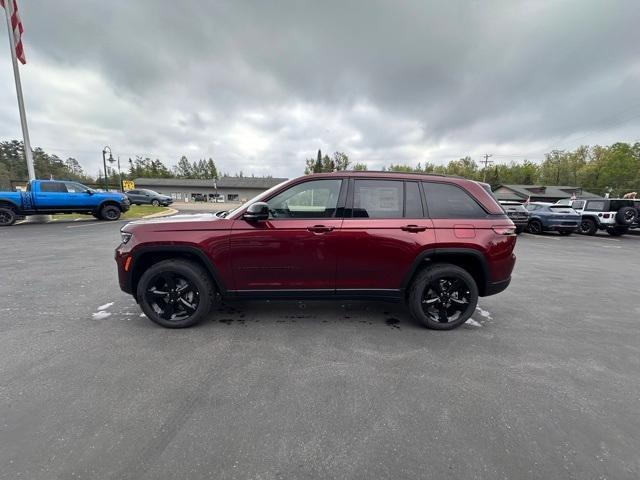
[497, 287]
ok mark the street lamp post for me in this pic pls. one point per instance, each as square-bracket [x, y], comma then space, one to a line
[104, 164]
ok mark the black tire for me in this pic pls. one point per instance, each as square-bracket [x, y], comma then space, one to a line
[170, 310]
[535, 227]
[155, 203]
[7, 217]
[617, 231]
[626, 216]
[565, 233]
[587, 227]
[110, 213]
[424, 299]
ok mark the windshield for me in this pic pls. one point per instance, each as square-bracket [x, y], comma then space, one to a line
[257, 198]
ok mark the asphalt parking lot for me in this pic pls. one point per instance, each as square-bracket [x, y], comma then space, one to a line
[545, 383]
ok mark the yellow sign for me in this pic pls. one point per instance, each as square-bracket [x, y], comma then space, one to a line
[128, 185]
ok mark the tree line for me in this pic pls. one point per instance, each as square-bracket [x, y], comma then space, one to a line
[13, 167]
[613, 169]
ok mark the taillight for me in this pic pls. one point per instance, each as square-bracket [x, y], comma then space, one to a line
[504, 230]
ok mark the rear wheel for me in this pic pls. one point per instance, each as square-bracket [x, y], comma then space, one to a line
[535, 227]
[110, 213]
[175, 293]
[588, 227]
[617, 231]
[7, 217]
[443, 296]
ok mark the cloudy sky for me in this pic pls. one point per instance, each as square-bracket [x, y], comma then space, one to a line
[261, 85]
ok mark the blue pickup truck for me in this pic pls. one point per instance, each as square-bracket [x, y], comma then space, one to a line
[55, 196]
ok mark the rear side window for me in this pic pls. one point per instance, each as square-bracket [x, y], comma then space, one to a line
[378, 199]
[53, 187]
[448, 201]
[596, 206]
[413, 201]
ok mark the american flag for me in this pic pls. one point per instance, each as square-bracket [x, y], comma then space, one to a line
[16, 25]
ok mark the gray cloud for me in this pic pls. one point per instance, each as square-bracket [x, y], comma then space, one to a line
[261, 85]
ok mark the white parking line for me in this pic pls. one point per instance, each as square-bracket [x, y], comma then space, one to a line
[95, 223]
[540, 237]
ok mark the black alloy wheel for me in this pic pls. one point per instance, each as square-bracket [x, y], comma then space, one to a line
[172, 296]
[443, 296]
[110, 213]
[7, 217]
[175, 293]
[535, 227]
[587, 227]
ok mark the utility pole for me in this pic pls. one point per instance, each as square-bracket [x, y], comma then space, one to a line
[486, 162]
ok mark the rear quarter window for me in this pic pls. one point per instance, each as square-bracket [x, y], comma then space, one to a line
[595, 206]
[445, 200]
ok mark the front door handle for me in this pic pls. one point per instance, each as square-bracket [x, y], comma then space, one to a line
[413, 228]
[320, 229]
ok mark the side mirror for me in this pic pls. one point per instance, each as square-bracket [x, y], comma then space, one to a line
[256, 212]
[89, 191]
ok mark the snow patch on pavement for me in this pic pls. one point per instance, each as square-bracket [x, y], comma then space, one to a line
[473, 323]
[101, 315]
[484, 313]
[105, 306]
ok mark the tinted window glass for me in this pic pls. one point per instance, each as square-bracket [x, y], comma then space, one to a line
[597, 206]
[413, 202]
[577, 204]
[53, 187]
[75, 188]
[314, 199]
[448, 201]
[378, 198]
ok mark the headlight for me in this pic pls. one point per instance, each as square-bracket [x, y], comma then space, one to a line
[126, 236]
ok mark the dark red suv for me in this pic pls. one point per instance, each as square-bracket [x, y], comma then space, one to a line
[434, 242]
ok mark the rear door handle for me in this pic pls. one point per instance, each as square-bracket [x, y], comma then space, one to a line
[320, 229]
[413, 228]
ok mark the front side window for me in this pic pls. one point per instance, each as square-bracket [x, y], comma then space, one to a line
[378, 199]
[75, 187]
[314, 199]
[577, 204]
[445, 200]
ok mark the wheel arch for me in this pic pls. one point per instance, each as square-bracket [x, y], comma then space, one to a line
[9, 204]
[144, 257]
[105, 203]
[467, 258]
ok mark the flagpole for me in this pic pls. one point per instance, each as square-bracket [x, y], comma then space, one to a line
[8, 8]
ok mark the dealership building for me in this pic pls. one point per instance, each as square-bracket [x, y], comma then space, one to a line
[225, 189]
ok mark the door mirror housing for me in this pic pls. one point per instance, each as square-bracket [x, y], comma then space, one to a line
[257, 212]
[89, 191]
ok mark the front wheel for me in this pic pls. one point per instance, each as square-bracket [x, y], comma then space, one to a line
[110, 213]
[588, 227]
[7, 217]
[155, 203]
[175, 293]
[443, 296]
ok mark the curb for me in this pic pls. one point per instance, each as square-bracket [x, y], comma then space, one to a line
[170, 211]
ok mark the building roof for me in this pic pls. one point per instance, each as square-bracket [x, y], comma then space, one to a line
[550, 192]
[222, 182]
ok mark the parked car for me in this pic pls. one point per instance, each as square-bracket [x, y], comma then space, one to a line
[54, 196]
[614, 215]
[547, 217]
[148, 197]
[434, 242]
[199, 197]
[518, 214]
